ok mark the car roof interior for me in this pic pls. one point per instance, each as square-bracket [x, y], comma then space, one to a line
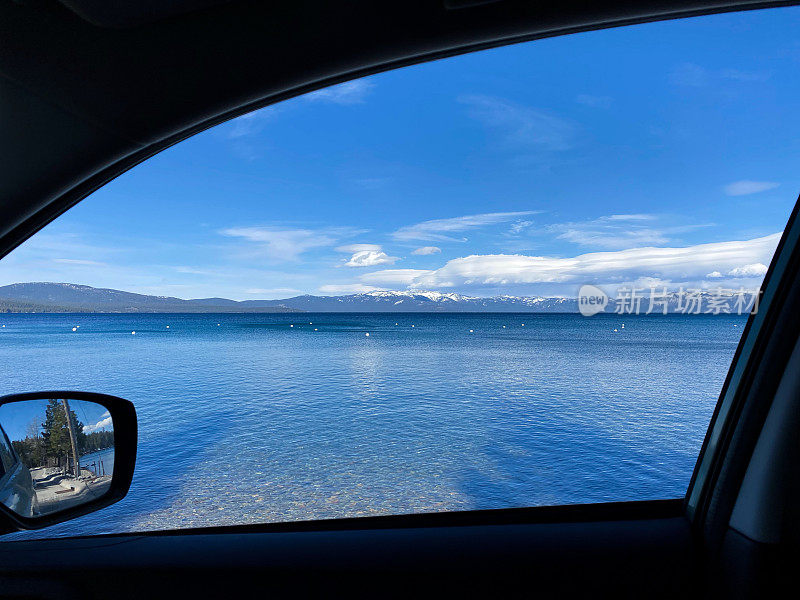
[90, 88]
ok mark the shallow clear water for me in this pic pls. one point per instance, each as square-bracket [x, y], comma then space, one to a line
[243, 418]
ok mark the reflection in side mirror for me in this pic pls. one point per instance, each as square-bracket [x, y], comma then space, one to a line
[58, 454]
[55, 454]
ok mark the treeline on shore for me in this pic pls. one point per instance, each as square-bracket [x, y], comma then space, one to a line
[33, 451]
[13, 306]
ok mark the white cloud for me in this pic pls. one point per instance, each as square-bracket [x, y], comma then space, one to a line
[753, 270]
[286, 244]
[693, 75]
[594, 101]
[521, 125]
[250, 123]
[188, 270]
[75, 261]
[370, 258]
[650, 282]
[350, 92]
[279, 292]
[742, 272]
[394, 277]
[100, 425]
[745, 187]
[372, 183]
[618, 231]
[366, 255]
[519, 227]
[244, 125]
[425, 250]
[55, 241]
[689, 74]
[436, 229]
[359, 247]
[631, 217]
[690, 262]
[745, 76]
[347, 288]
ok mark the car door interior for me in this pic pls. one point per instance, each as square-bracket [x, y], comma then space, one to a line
[90, 89]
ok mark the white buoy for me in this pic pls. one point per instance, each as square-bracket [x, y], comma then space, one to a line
[291, 325]
[133, 333]
[504, 326]
[616, 330]
[167, 326]
[310, 323]
[367, 334]
[315, 329]
[395, 324]
[470, 331]
[217, 324]
[523, 324]
[412, 325]
[74, 329]
[77, 325]
[623, 325]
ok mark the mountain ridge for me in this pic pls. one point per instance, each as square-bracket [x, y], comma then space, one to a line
[69, 297]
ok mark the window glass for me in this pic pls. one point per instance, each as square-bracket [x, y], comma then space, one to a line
[511, 278]
[6, 454]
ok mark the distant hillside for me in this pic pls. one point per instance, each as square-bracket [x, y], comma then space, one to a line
[68, 297]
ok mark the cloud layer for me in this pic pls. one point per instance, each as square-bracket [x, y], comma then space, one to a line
[103, 423]
[442, 229]
[346, 288]
[619, 231]
[350, 92]
[746, 187]
[736, 258]
[286, 244]
[426, 250]
[519, 125]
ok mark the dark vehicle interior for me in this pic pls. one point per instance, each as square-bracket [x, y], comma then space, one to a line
[89, 89]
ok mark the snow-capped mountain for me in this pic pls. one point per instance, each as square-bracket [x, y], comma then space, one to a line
[422, 301]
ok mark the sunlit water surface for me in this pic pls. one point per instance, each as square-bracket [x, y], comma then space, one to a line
[260, 418]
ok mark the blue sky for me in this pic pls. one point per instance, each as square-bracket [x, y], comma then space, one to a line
[661, 153]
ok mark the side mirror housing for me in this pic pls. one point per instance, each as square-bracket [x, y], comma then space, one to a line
[63, 454]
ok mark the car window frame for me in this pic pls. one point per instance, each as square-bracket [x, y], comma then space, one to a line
[725, 410]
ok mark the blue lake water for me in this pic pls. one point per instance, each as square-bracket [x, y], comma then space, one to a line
[100, 462]
[262, 418]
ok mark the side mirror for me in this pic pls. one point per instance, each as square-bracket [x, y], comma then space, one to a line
[62, 455]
